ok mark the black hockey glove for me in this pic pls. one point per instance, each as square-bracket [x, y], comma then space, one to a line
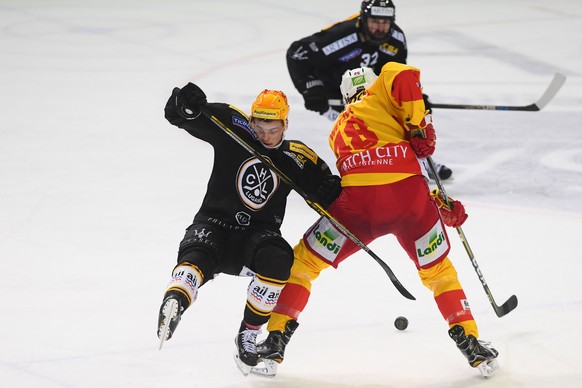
[189, 99]
[329, 189]
[427, 103]
[315, 98]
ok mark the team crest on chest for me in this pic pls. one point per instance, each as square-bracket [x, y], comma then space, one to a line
[255, 183]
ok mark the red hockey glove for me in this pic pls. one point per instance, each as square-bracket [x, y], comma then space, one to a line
[453, 214]
[422, 137]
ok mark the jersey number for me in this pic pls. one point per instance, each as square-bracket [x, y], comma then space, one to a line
[369, 60]
[356, 137]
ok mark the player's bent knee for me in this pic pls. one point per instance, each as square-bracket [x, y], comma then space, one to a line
[273, 259]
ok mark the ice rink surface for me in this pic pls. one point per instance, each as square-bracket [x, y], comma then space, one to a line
[96, 189]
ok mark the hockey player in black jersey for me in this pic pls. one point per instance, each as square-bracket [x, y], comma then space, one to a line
[370, 38]
[236, 231]
[317, 62]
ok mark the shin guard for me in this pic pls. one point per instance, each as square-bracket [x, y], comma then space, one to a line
[186, 279]
[448, 293]
[262, 295]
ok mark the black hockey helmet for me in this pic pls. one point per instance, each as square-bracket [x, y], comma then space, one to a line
[377, 9]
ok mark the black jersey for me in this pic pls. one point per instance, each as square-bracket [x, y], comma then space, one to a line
[324, 56]
[242, 192]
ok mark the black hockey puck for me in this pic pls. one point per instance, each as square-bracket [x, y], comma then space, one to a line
[401, 323]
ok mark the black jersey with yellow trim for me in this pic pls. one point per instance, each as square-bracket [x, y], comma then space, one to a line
[327, 54]
[242, 192]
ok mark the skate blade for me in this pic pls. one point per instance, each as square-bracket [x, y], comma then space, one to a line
[170, 311]
[244, 368]
[488, 368]
[268, 370]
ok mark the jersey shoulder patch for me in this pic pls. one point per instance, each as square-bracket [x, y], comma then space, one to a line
[399, 35]
[302, 149]
[243, 121]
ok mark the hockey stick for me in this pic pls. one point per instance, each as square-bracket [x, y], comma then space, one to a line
[552, 89]
[511, 303]
[548, 95]
[314, 205]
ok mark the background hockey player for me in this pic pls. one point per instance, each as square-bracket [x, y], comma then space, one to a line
[237, 229]
[368, 39]
[377, 140]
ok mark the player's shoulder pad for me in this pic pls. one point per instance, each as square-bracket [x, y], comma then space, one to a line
[243, 121]
[300, 149]
[399, 36]
[348, 23]
[243, 114]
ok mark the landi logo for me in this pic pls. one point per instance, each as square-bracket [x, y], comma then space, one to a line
[432, 245]
[435, 241]
[358, 80]
[326, 239]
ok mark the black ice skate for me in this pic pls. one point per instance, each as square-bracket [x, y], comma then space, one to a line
[480, 354]
[272, 349]
[169, 317]
[245, 354]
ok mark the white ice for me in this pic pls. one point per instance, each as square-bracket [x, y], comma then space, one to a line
[96, 189]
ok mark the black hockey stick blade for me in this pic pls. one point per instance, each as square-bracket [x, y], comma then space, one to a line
[552, 89]
[506, 307]
[403, 291]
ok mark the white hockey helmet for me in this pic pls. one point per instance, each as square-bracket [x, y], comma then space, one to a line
[355, 81]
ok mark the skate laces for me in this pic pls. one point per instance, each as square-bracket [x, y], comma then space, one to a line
[248, 340]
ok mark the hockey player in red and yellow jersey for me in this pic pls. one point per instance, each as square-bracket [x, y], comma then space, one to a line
[378, 140]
